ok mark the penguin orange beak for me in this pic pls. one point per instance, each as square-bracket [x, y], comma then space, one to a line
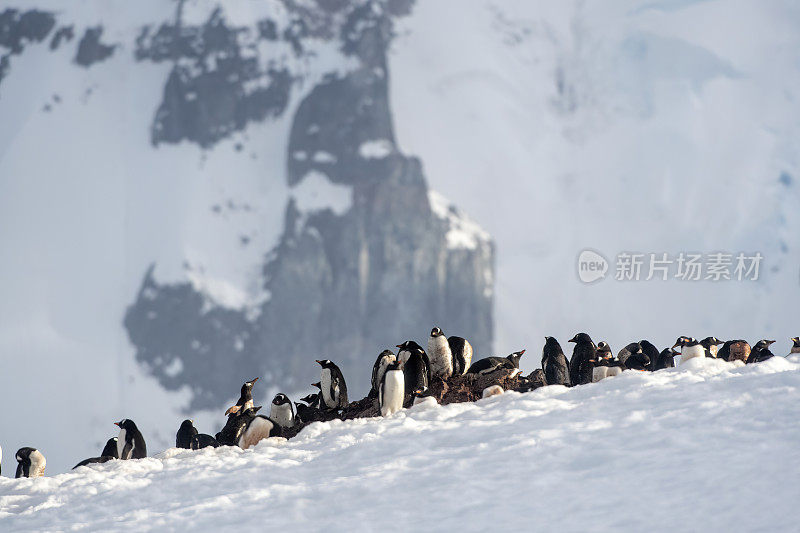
[398, 346]
[117, 424]
[522, 352]
[232, 410]
[318, 361]
[253, 380]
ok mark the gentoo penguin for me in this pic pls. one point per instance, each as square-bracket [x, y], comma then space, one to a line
[666, 359]
[651, 352]
[711, 346]
[183, 439]
[461, 350]
[309, 409]
[735, 350]
[416, 368]
[391, 393]
[234, 427]
[281, 411]
[487, 365]
[690, 348]
[615, 367]
[626, 352]
[600, 370]
[580, 366]
[256, 428]
[383, 360]
[332, 385]
[245, 398]
[795, 345]
[31, 463]
[109, 453]
[421, 395]
[439, 354]
[554, 363]
[492, 390]
[93, 460]
[130, 443]
[110, 449]
[201, 440]
[637, 361]
[760, 352]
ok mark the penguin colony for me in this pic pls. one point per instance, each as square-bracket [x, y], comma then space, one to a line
[444, 373]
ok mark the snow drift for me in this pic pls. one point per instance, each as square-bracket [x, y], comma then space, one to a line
[709, 445]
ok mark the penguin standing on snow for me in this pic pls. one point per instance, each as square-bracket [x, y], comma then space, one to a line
[416, 368]
[30, 463]
[690, 348]
[554, 363]
[245, 398]
[795, 345]
[651, 352]
[487, 365]
[378, 369]
[638, 361]
[711, 346]
[761, 352]
[130, 443]
[281, 411]
[581, 368]
[257, 427]
[332, 385]
[666, 359]
[183, 439]
[391, 394]
[439, 354]
[461, 350]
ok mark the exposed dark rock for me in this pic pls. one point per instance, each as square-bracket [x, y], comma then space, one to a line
[91, 50]
[17, 29]
[62, 34]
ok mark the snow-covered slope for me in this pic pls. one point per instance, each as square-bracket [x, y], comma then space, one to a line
[707, 446]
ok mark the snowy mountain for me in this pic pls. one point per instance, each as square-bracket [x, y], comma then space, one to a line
[194, 193]
[709, 446]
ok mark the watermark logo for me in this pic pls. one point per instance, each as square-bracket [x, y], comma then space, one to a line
[591, 266]
[685, 266]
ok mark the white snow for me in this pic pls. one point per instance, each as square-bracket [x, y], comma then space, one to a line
[376, 149]
[709, 446]
[463, 232]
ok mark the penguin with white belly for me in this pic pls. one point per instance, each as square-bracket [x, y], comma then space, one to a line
[440, 355]
[416, 368]
[245, 398]
[332, 385]
[281, 411]
[461, 350]
[391, 393]
[130, 442]
[379, 368]
[711, 346]
[690, 348]
[30, 463]
[257, 427]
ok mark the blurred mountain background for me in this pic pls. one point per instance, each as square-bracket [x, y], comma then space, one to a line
[196, 193]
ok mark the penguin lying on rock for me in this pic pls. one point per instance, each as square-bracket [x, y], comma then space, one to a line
[30, 463]
[487, 365]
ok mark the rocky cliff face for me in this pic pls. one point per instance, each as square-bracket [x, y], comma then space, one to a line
[342, 282]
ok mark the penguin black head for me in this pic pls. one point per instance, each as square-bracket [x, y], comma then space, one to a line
[325, 363]
[410, 346]
[710, 341]
[796, 342]
[386, 353]
[603, 350]
[126, 424]
[280, 399]
[187, 425]
[24, 455]
[395, 365]
[436, 332]
[419, 393]
[581, 338]
[515, 357]
[551, 347]
[634, 347]
[685, 341]
[763, 344]
[247, 388]
[110, 448]
[311, 398]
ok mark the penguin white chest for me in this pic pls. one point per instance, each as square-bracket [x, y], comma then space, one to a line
[329, 394]
[282, 414]
[613, 371]
[258, 429]
[38, 464]
[440, 356]
[392, 392]
[599, 372]
[121, 443]
[691, 352]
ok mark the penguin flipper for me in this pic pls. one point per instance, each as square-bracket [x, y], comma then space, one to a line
[126, 450]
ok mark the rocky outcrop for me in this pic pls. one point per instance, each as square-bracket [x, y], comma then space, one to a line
[342, 285]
